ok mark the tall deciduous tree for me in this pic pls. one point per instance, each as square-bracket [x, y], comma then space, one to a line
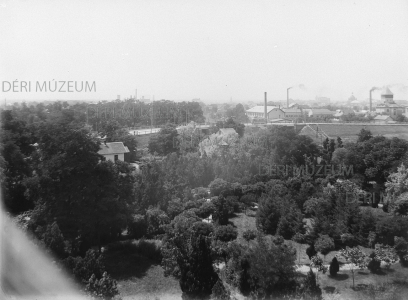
[324, 244]
[15, 151]
[90, 199]
[187, 254]
[272, 267]
[165, 141]
[355, 257]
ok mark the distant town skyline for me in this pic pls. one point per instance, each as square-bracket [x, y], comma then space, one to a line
[212, 50]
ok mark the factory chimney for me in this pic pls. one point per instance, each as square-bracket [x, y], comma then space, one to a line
[265, 108]
[287, 97]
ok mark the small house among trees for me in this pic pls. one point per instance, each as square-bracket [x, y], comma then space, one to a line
[113, 151]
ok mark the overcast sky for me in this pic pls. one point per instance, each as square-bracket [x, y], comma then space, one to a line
[212, 50]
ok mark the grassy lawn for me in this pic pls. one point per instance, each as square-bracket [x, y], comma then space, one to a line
[138, 276]
[243, 222]
[343, 282]
[340, 287]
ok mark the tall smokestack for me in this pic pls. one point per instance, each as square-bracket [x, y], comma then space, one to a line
[287, 97]
[266, 115]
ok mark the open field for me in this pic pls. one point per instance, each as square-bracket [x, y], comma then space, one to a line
[349, 132]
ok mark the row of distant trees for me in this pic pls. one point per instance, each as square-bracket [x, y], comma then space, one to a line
[136, 113]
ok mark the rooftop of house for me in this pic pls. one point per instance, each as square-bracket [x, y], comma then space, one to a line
[390, 105]
[345, 111]
[113, 148]
[291, 110]
[322, 111]
[226, 131]
[386, 91]
[382, 117]
[261, 109]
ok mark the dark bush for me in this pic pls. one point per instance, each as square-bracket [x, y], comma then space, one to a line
[175, 208]
[54, 240]
[226, 233]
[385, 207]
[147, 248]
[156, 220]
[334, 267]
[249, 235]
[219, 292]
[205, 210]
[218, 185]
[83, 268]
[200, 193]
[222, 211]
[138, 227]
[389, 227]
[104, 288]
[374, 264]
[234, 204]
[311, 251]
[401, 247]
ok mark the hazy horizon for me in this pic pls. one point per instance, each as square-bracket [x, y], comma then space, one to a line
[212, 50]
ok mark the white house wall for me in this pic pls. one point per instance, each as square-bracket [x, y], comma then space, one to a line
[111, 157]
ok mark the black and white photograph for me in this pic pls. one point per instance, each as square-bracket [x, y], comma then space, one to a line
[204, 150]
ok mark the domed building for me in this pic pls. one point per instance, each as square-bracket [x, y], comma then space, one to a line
[388, 106]
[354, 103]
[352, 98]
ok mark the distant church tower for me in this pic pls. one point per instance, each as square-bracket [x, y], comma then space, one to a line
[387, 96]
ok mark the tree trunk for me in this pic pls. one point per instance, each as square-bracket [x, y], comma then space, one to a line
[352, 272]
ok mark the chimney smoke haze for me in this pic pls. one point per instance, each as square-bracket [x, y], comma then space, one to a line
[371, 99]
[300, 86]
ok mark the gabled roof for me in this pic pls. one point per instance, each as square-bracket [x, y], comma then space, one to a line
[261, 109]
[322, 111]
[344, 111]
[386, 91]
[291, 110]
[113, 148]
[390, 105]
[382, 117]
[227, 131]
